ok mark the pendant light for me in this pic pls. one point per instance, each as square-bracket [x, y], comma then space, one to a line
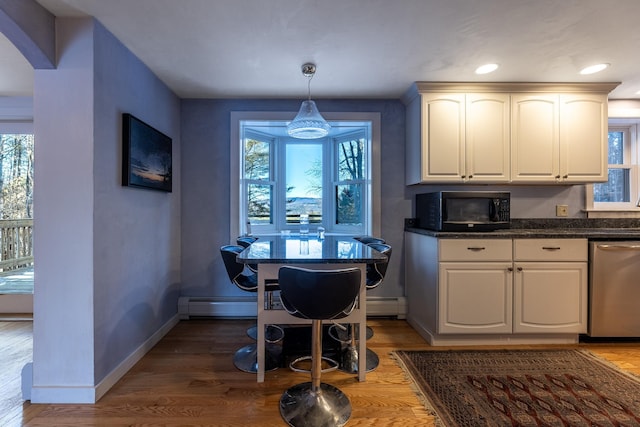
[308, 124]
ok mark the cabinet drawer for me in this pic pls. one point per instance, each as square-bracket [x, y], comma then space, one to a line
[475, 250]
[550, 250]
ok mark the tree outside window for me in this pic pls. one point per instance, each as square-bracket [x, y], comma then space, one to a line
[16, 176]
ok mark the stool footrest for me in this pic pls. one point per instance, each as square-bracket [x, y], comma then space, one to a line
[333, 364]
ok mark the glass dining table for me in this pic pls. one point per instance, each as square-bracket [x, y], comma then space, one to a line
[330, 252]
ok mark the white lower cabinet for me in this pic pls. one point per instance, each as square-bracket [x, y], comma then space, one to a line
[550, 285]
[502, 287]
[475, 297]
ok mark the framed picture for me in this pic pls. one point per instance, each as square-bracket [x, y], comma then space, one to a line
[146, 155]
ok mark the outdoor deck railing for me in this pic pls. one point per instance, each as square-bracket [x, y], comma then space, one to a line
[16, 243]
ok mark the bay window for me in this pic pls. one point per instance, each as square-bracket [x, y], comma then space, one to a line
[280, 178]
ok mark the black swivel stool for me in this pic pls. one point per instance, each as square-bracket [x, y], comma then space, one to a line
[375, 276]
[369, 239]
[245, 241]
[317, 295]
[246, 358]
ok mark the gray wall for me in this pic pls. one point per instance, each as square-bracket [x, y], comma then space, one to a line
[206, 189]
[527, 201]
[136, 238]
[107, 257]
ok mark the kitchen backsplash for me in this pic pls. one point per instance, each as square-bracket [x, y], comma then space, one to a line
[532, 223]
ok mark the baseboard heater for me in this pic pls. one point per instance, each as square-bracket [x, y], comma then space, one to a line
[245, 307]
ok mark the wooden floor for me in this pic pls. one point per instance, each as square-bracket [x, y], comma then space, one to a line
[189, 379]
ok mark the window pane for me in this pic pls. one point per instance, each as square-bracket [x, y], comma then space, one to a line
[256, 160]
[259, 203]
[349, 204]
[616, 189]
[304, 182]
[616, 148]
[351, 161]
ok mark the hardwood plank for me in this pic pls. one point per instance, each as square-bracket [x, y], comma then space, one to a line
[189, 379]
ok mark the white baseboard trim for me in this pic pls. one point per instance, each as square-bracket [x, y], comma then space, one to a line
[245, 307]
[128, 363]
[91, 394]
[450, 340]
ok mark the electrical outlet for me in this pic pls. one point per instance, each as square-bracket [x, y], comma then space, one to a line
[562, 210]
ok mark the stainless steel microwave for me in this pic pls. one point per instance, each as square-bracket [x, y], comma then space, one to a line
[463, 210]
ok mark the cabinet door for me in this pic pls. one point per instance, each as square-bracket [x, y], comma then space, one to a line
[550, 297]
[583, 138]
[443, 137]
[475, 298]
[535, 138]
[487, 137]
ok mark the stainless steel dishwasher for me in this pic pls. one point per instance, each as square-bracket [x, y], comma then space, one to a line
[614, 289]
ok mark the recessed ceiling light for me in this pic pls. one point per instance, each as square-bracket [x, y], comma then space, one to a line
[591, 69]
[486, 68]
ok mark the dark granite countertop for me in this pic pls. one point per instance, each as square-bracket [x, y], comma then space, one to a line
[332, 249]
[594, 229]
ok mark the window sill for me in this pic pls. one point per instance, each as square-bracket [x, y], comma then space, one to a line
[612, 213]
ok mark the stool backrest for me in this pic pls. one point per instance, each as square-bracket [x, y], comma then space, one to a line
[377, 271]
[245, 241]
[319, 294]
[369, 239]
[235, 270]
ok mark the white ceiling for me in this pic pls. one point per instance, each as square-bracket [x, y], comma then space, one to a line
[362, 48]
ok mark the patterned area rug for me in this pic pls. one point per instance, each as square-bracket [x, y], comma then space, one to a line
[523, 388]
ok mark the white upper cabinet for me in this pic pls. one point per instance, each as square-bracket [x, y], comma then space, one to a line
[535, 138]
[559, 138]
[506, 133]
[443, 135]
[583, 137]
[487, 142]
[462, 138]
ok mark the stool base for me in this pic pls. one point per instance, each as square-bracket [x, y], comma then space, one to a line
[349, 361]
[273, 334]
[301, 406]
[246, 358]
[342, 333]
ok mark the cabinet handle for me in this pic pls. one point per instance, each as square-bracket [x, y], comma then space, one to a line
[557, 176]
[565, 176]
[463, 176]
[551, 248]
[519, 268]
[470, 176]
[509, 268]
[476, 248]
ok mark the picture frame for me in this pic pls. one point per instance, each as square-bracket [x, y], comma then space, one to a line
[146, 156]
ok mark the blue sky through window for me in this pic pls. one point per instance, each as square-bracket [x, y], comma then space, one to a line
[302, 158]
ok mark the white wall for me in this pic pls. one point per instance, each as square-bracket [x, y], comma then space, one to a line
[63, 354]
[106, 256]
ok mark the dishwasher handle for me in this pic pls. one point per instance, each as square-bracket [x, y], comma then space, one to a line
[618, 247]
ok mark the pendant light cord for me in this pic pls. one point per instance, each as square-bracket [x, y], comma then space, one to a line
[309, 87]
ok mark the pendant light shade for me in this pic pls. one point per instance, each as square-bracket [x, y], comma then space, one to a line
[308, 123]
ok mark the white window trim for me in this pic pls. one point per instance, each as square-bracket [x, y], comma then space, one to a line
[333, 181]
[236, 161]
[273, 153]
[626, 209]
